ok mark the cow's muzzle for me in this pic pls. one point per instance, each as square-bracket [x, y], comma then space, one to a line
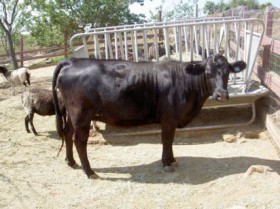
[220, 95]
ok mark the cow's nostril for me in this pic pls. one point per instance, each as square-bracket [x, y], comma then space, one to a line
[221, 96]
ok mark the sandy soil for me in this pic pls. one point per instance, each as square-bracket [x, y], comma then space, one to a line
[212, 173]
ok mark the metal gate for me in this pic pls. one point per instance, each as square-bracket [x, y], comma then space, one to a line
[185, 40]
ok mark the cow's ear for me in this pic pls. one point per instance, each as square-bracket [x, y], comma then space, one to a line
[238, 66]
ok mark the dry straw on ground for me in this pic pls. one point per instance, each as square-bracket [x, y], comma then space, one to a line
[210, 173]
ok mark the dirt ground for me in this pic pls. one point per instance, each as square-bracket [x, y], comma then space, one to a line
[212, 173]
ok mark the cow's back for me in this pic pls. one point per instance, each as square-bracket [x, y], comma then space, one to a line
[115, 92]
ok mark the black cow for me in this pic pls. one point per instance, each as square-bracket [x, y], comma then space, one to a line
[127, 93]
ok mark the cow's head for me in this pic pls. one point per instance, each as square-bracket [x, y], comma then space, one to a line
[217, 72]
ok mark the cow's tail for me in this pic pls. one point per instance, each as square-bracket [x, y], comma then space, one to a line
[59, 115]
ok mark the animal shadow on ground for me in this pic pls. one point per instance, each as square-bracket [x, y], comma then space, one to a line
[49, 134]
[191, 170]
[198, 137]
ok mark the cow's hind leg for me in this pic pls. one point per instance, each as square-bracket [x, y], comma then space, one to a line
[168, 160]
[81, 134]
[68, 136]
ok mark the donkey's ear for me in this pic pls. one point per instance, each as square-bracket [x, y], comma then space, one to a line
[238, 66]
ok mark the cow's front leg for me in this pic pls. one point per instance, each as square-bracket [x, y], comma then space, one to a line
[80, 139]
[167, 137]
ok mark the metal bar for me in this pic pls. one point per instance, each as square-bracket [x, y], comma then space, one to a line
[206, 41]
[183, 21]
[237, 40]
[203, 42]
[156, 44]
[186, 38]
[180, 43]
[176, 39]
[191, 42]
[166, 42]
[135, 51]
[215, 47]
[196, 40]
[226, 41]
[116, 46]
[133, 45]
[106, 46]
[145, 45]
[125, 45]
[249, 52]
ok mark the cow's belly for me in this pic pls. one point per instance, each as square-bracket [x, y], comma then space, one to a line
[117, 121]
[188, 113]
[124, 114]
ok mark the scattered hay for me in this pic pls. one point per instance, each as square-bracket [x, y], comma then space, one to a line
[239, 136]
[230, 138]
[256, 168]
[96, 139]
[248, 135]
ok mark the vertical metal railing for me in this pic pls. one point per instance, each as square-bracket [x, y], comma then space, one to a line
[196, 39]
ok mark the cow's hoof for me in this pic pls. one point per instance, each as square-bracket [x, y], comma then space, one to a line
[72, 164]
[174, 164]
[76, 166]
[94, 176]
[169, 168]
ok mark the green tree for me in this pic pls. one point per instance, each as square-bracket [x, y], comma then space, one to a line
[179, 10]
[211, 8]
[9, 14]
[52, 18]
[251, 4]
[263, 6]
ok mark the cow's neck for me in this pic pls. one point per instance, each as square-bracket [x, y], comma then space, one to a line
[200, 85]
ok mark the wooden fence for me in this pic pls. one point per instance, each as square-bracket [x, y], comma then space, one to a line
[37, 54]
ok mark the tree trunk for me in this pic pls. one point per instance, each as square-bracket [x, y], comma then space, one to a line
[11, 50]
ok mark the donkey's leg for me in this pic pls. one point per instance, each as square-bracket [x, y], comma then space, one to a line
[26, 121]
[31, 116]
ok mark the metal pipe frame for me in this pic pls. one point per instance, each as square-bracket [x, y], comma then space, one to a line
[196, 128]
